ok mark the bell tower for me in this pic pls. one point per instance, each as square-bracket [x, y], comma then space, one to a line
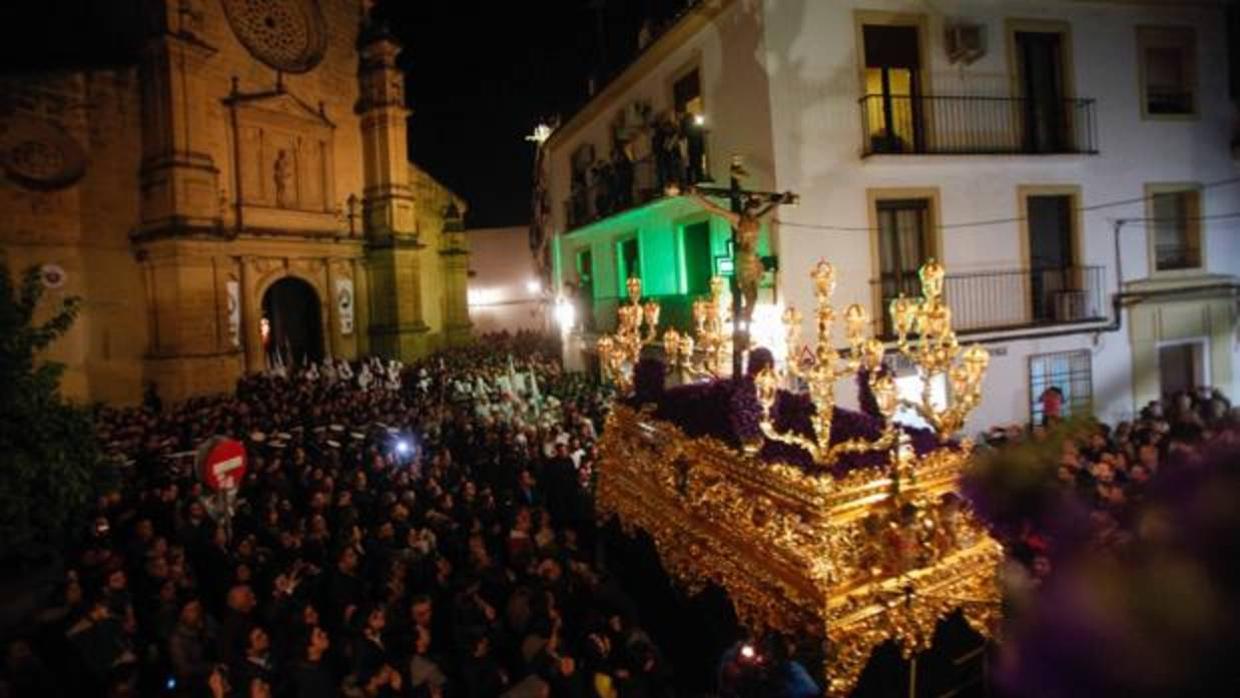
[394, 251]
[179, 239]
[454, 261]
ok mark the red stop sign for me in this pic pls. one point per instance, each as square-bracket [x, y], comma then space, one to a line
[223, 465]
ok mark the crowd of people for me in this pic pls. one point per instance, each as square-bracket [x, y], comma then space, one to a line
[1108, 469]
[423, 530]
[650, 155]
[431, 539]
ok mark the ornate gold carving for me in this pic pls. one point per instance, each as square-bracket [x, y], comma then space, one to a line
[619, 353]
[882, 553]
[936, 352]
[288, 35]
[854, 561]
[713, 355]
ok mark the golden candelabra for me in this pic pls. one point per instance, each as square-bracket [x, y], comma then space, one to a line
[637, 327]
[936, 352]
[821, 372]
[878, 553]
[710, 355]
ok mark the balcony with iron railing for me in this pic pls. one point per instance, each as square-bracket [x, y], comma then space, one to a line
[617, 186]
[965, 125]
[1007, 300]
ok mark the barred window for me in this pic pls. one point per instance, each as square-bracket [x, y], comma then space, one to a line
[1071, 373]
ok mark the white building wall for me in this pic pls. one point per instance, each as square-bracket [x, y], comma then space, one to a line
[787, 100]
[815, 83]
[505, 292]
[729, 54]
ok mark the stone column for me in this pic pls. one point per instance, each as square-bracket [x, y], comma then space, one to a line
[251, 314]
[179, 179]
[361, 307]
[454, 261]
[396, 328]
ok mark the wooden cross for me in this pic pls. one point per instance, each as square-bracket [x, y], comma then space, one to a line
[747, 208]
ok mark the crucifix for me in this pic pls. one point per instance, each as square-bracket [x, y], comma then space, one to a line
[745, 215]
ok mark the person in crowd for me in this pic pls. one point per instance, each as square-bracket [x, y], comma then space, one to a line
[1109, 469]
[389, 538]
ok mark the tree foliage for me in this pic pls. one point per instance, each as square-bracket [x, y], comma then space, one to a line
[49, 457]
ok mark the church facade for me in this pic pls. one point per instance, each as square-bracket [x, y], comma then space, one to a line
[240, 198]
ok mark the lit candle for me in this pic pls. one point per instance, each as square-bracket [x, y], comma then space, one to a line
[855, 319]
[824, 280]
[634, 286]
[651, 311]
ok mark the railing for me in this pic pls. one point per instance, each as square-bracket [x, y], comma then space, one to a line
[923, 125]
[613, 190]
[1176, 256]
[995, 300]
[618, 187]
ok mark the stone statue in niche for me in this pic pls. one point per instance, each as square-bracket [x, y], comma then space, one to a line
[191, 15]
[283, 171]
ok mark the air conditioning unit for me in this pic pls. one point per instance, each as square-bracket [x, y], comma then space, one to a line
[965, 42]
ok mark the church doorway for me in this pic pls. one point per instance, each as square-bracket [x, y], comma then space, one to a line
[292, 324]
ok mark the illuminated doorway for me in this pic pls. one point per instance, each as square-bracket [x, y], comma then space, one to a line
[292, 324]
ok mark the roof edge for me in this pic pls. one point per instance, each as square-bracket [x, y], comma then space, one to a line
[685, 27]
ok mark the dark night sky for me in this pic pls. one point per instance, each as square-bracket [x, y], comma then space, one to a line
[480, 74]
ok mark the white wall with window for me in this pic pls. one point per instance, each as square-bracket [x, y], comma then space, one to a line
[998, 137]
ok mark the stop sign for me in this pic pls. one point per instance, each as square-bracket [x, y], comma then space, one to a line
[221, 463]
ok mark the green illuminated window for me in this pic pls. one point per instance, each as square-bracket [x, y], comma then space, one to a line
[585, 273]
[698, 258]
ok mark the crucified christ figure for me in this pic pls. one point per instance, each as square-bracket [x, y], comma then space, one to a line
[747, 224]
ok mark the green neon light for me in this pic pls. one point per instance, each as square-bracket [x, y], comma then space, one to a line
[663, 262]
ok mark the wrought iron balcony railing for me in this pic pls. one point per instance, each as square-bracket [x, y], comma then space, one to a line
[935, 125]
[997, 300]
[613, 188]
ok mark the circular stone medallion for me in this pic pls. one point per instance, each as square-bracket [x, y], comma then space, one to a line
[288, 35]
[40, 155]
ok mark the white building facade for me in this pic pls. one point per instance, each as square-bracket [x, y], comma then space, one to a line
[1069, 162]
[506, 293]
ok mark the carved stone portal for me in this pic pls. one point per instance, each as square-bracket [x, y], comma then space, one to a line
[285, 157]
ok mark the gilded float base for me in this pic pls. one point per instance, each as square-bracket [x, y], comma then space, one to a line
[855, 561]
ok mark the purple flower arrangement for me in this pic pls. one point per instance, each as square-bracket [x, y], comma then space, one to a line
[729, 411]
[648, 378]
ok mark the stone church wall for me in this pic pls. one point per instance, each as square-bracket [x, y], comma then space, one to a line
[70, 146]
[171, 194]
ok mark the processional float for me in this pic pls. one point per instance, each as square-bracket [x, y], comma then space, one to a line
[855, 556]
